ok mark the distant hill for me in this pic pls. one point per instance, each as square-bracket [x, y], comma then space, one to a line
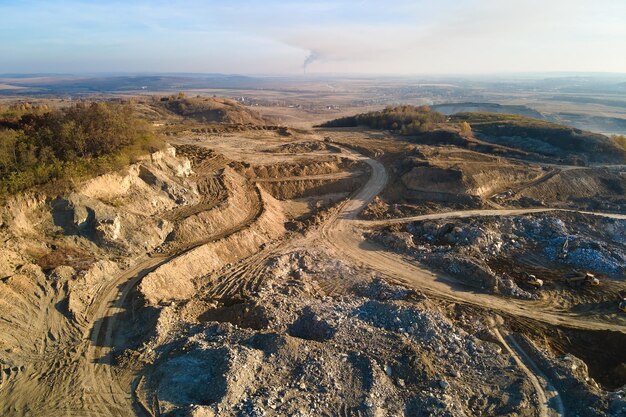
[492, 133]
[452, 108]
[34, 85]
[612, 125]
[588, 100]
[580, 120]
[212, 110]
[543, 137]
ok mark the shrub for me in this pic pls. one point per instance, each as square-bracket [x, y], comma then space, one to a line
[620, 140]
[87, 139]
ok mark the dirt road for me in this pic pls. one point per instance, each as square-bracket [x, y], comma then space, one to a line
[341, 233]
[548, 399]
[480, 213]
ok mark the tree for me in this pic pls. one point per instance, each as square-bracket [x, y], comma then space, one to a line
[620, 140]
[466, 129]
[8, 154]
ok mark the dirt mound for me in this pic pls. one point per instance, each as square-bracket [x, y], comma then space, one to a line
[306, 177]
[300, 168]
[590, 188]
[425, 179]
[122, 211]
[213, 109]
[295, 188]
[20, 213]
[175, 279]
[333, 356]
[493, 253]
[480, 180]
[228, 203]
[304, 147]
[196, 154]
[22, 296]
[81, 288]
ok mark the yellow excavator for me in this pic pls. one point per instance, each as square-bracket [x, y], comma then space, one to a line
[533, 281]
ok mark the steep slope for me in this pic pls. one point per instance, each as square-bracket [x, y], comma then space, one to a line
[247, 223]
[544, 138]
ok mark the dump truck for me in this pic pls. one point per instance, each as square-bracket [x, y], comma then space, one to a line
[577, 278]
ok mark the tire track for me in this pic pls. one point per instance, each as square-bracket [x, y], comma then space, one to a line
[549, 401]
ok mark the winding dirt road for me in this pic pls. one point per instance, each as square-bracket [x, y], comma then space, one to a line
[342, 233]
[119, 401]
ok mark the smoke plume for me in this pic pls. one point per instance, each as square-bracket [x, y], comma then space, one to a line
[312, 57]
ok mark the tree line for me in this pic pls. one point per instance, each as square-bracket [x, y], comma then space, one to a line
[406, 119]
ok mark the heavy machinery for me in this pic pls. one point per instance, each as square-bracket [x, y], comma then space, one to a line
[533, 281]
[564, 249]
[577, 278]
[622, 304]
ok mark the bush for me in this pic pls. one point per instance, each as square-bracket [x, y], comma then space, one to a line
[620, 140]
[39, 145]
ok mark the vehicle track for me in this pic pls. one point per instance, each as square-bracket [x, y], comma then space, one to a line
[101, 344]
[246, 277]
[551, 172]
[111, 304]
[547, 407]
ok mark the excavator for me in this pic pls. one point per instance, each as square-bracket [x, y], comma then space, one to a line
[533, 281]
[529, 279]
[577, 278]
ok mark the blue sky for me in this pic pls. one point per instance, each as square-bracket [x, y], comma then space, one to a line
[277, 37]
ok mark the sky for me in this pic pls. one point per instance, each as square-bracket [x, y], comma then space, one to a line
[268, 37]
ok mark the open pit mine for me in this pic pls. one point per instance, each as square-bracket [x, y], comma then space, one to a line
[247, 267]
